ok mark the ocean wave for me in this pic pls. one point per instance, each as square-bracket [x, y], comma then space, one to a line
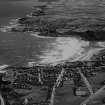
[69, 49]
[12, 24]
[14, 21]
[2, 67]
[5, 29]
[38, 36]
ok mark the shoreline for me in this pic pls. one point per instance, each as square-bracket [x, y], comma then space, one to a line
[15, 26]
[46, 28]
[48, 25]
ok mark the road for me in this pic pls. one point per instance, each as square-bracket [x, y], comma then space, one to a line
[1, 100]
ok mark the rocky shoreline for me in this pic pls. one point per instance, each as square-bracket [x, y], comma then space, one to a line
[48, 22]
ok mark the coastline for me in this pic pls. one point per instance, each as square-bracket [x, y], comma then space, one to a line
[50, 23]
[78, 45]
[45, 29]
[88, 35]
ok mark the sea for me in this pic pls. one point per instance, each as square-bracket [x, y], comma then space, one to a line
[28, 48]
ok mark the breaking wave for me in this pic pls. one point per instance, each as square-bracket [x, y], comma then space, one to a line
[38, 36]
[13, 23]
[70, 49]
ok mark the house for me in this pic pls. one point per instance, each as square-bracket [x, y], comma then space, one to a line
[81, 91]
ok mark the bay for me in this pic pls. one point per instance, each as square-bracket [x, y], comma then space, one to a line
[22, 48]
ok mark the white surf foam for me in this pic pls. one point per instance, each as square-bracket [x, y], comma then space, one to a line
[13, 21]
[2, 67]
[38, 36]
[12, 24]
[5, 29]
[71, 49]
